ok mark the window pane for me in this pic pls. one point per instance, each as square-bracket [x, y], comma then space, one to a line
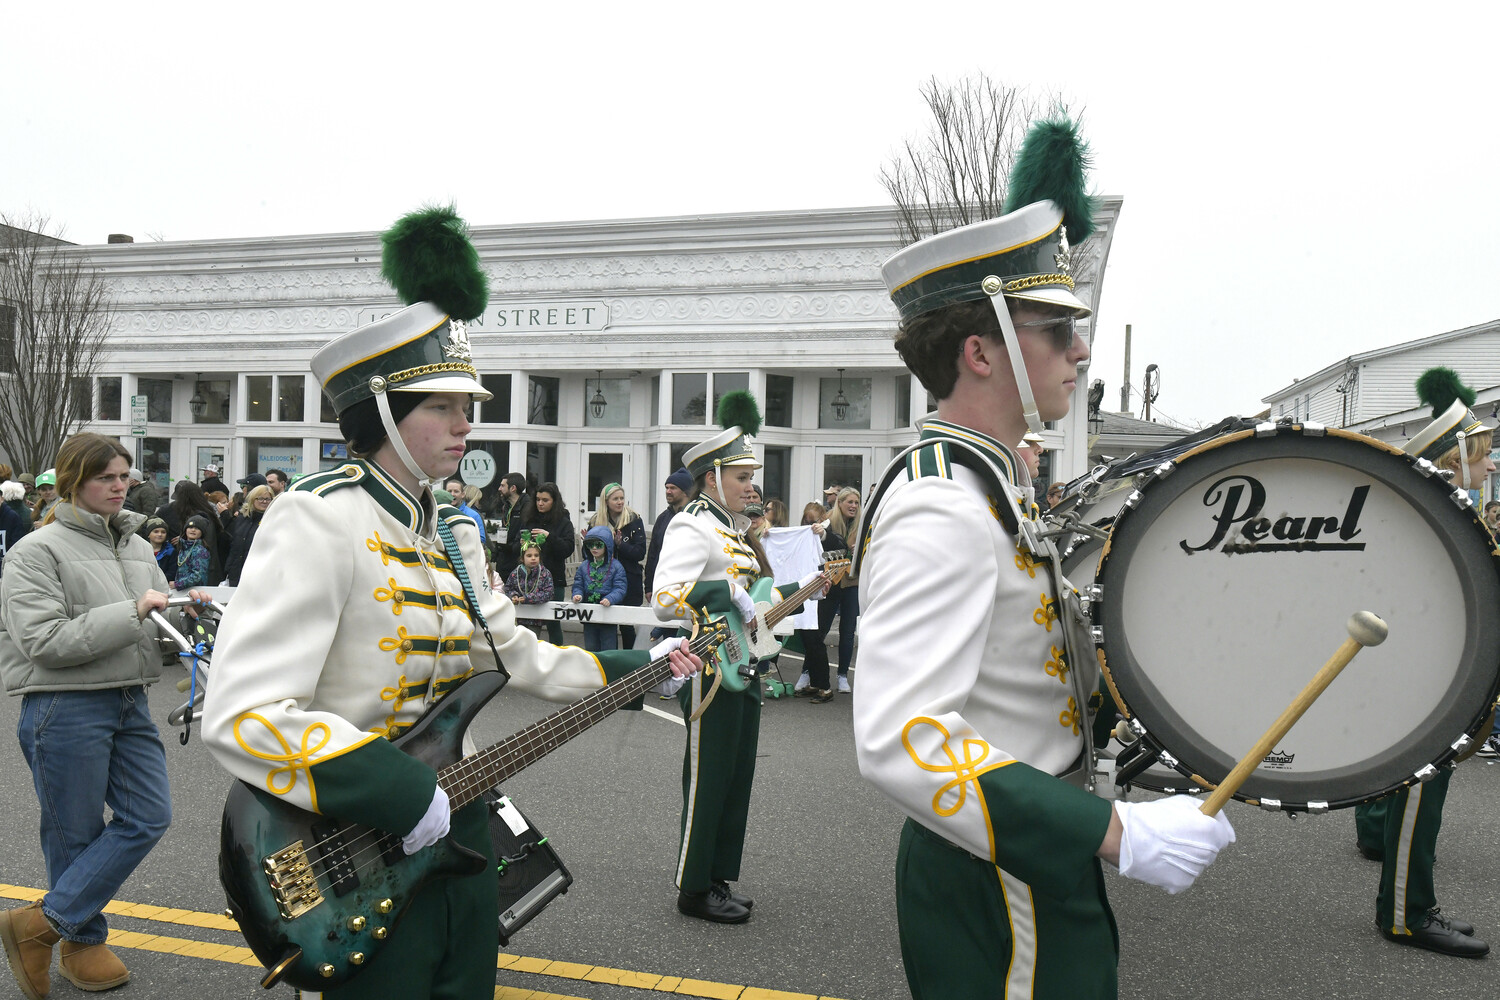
[274, 453]
[844, 470]
[542, 409]
[8, 322]
[83, 396]
[541, 462]
[214, 396]
[109, 399]
[497, 409]
[689, 394]
[156, 461]
[779, 400]
[615, 393]
[903, 401]
[678, 450]
[489, 493]
[653, 419]
[291, 393]
[728, 382]
[776, 479]
[604, 467]
[158, 393]
[257, 397]
[856, 392]
[325, 409]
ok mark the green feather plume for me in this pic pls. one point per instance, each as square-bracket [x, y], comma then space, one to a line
[1053, 165]
[739, 409]
[1439, 387]
[427, 257]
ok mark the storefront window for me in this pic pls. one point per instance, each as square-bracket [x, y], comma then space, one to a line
[274, 453]
[689, 397]
[158, 393]
[211, 398]
[331, 455]
[495, 410]
[779, 400]
[903, 401]
[258, 397]
[727, 382]
[775, 480]
[541, 462]
[291, 396]
[109, 399]
[156, 462]
[856, 393]
[542, 409]
[83, 397]
[611, 397]
[325, 409]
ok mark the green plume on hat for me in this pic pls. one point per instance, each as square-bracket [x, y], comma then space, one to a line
[427, 257]
[739, 409]
[1439, 387]
[1053, 165]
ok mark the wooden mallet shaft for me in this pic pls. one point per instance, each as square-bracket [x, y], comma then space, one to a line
[1365, 629]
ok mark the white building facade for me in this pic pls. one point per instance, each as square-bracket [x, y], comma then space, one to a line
[1375, 393]
[606, 345]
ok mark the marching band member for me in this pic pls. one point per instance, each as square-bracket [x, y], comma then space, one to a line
[969, 712]
[356, 612]
[708, 563]
[1400, 831]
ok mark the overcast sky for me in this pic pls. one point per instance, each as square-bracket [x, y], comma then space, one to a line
[1301, 181]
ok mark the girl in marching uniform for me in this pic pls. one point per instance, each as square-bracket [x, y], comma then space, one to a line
[708, 563]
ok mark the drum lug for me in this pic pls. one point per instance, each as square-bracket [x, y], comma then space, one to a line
[1132, 501]
[1426, 773]
[1317, 807]
[1096, 633]
[1137, 728]
[1311, 428]
[1461, 499]
[1461, 744]
[1270, 805]
[1168, 760]
[1093, 592]
[1164, 470]
[1266, 429]
[1425, 468]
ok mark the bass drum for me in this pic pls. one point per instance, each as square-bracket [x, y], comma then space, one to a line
[1226, 582]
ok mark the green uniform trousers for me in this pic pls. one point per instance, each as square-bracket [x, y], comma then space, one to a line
[718, 769]
[1405, 826]
[971, 932]
[445, 946]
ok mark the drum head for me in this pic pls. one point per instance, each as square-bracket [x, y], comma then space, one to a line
[1228, 585]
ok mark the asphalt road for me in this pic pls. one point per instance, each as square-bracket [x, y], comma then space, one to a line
[1287, 912]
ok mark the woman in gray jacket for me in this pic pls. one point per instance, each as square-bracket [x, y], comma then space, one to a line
[75, 647]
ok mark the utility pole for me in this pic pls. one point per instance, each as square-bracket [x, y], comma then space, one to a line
[1150, 387]
[1125, 382]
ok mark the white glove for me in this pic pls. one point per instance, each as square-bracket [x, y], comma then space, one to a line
[1169, 842]
[432, 827]
[742, 602]
[671, 685]
[809, 578]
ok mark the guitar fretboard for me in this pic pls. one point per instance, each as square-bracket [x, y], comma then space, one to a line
[464, 780]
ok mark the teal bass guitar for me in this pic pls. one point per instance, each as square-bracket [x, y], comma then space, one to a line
[755, 641]
[317, 899]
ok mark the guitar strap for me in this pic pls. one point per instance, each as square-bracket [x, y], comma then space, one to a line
[450, 545]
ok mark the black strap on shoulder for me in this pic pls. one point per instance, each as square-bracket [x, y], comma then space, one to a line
[961, 452]
[450, 544]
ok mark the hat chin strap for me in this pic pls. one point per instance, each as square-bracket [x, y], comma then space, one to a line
[1463, 461]
[1013, 348]
[389, 423]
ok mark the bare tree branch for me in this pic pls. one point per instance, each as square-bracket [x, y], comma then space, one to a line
[55, 311]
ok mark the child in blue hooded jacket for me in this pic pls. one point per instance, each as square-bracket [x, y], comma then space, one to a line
[600, 579]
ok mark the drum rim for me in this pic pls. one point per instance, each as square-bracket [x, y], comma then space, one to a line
[1194, 762]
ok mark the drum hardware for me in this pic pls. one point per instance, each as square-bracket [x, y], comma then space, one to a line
[1462, 499]
[1365, 629]
[1426, 773]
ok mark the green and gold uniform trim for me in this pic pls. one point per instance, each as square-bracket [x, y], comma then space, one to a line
[405, 644]
[400, 597]
[705, 502]
[992, 449]
[1023, 267]
[389, 494]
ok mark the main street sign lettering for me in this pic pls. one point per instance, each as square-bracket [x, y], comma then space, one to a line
[521, 316]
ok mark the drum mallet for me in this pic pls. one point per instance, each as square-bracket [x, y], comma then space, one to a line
[1365, 629]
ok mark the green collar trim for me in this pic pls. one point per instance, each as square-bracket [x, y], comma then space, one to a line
[392, 496]
[994, 450]
[720, 513]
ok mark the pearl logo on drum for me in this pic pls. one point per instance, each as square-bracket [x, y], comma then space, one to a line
[1237, 502]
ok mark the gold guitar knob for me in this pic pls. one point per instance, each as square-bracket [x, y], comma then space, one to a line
[356, 923]
[357, 958]
[326, 971]
[379, 933]
[384, 906]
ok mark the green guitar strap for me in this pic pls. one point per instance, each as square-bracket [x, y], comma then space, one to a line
[450, 545]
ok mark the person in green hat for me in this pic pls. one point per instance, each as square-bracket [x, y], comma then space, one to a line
[1401, 830]
[971, 713]
[46, 496]
[359, 606]
[708, 563]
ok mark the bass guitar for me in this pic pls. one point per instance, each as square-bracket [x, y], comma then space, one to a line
[317, 899]
[757, 642]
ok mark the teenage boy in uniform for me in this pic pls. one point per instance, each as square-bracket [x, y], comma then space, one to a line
[969, 713]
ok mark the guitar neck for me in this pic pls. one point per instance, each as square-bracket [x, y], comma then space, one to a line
[832, 574]
[464, 780]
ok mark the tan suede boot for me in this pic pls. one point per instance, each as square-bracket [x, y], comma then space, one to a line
[92, 967]
[28, 941]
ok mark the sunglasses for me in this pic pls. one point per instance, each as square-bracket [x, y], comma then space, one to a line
[1062, 329]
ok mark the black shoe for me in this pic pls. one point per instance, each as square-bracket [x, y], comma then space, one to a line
[1437, 933]
[1452, 923]
[712, 905]
[1370, 853]
[749, 904]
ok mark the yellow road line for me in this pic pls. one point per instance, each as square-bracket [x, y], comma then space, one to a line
[238, 955]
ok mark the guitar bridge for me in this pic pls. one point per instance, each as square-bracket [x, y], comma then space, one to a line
[293, 884]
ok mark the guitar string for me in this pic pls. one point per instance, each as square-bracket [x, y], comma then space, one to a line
[519, 747]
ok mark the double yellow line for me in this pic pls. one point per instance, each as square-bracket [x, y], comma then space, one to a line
[240, 955]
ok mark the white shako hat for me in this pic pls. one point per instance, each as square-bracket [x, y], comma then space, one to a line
[739, 415]
[1453, 419]
[1024, 254]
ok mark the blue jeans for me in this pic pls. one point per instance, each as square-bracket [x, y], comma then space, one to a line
[599, 637]
[843, 603]
[89, 749]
